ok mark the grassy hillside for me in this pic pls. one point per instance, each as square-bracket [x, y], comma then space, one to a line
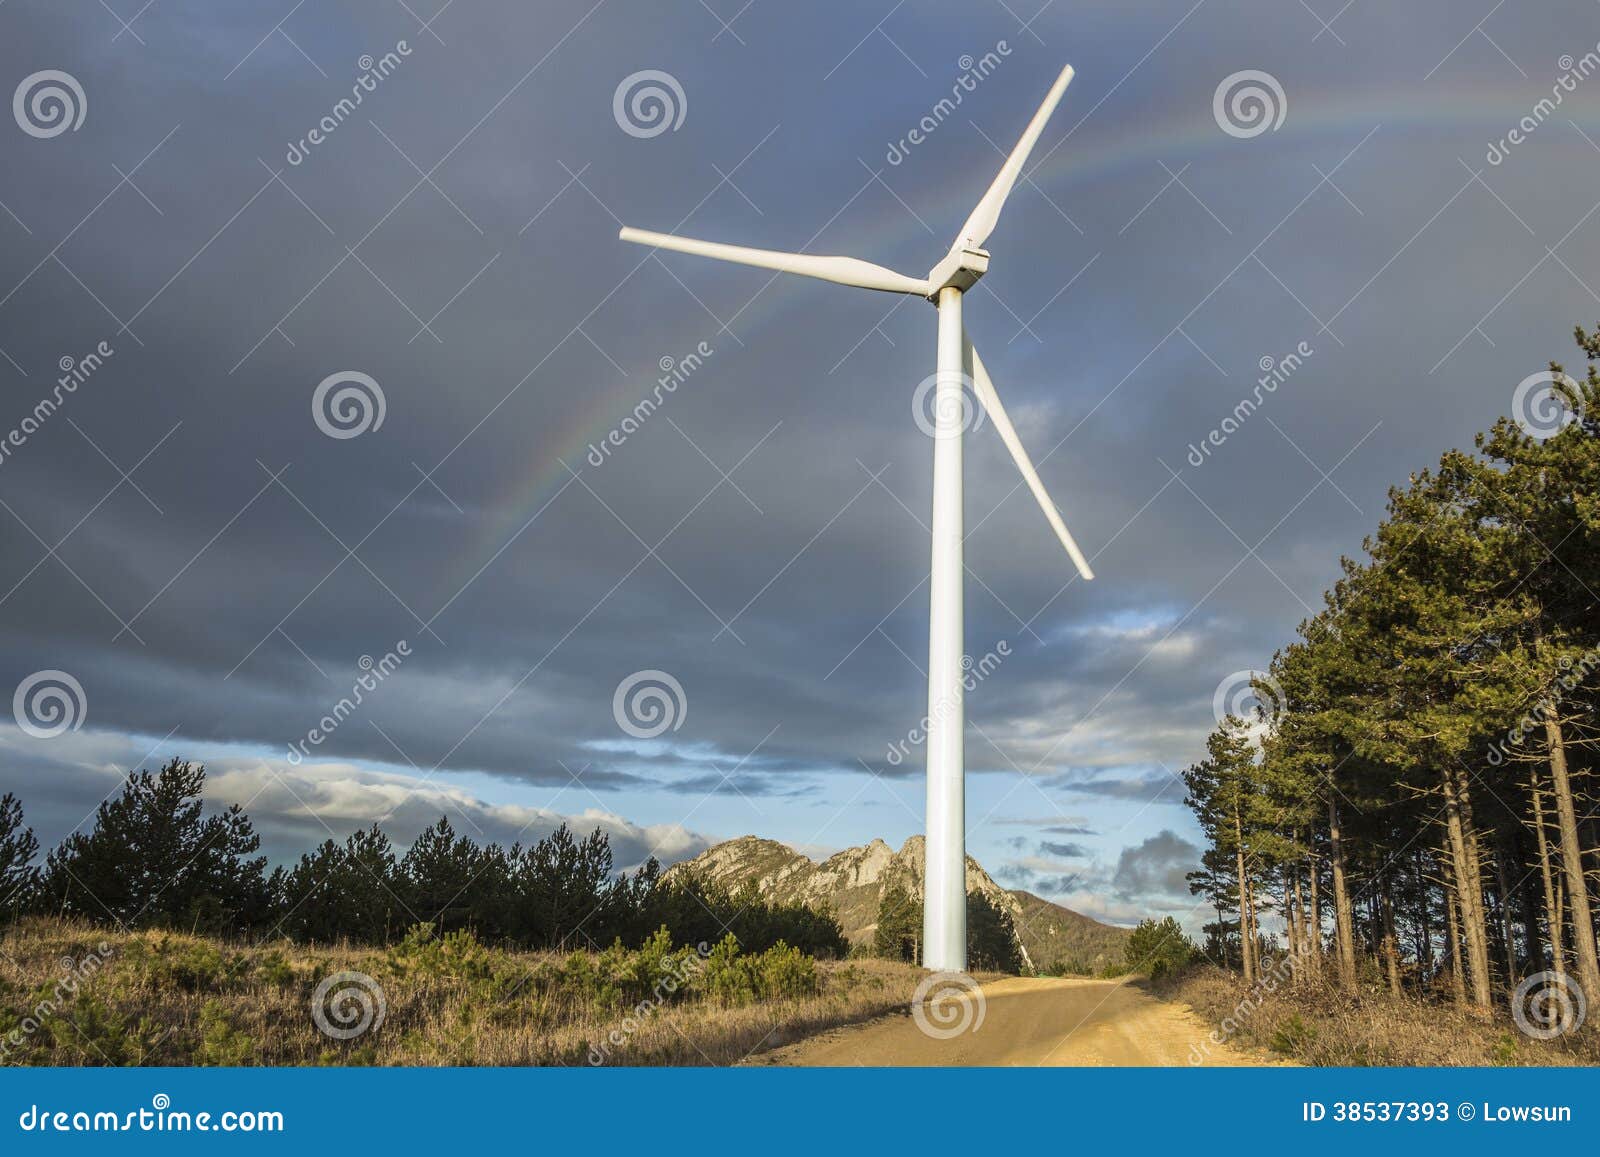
[1316, 1023]
[1061, 941]
[74, 994]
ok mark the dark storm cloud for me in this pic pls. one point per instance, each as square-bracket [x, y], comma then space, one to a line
[1156, 869]
[182, 537]
[1038, 877]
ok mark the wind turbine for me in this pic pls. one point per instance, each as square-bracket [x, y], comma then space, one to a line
[944, 920]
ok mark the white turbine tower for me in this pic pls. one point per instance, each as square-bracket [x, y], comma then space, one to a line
[944, 935]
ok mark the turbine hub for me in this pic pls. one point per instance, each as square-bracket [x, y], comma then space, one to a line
[960, 269]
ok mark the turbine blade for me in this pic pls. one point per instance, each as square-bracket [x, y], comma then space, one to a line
[984, 388]
[843, 270]
[978, 227]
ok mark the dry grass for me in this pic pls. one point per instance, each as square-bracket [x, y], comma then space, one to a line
[170, 999]
[1316, 1024]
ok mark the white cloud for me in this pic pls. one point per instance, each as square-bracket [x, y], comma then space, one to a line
[295, 808]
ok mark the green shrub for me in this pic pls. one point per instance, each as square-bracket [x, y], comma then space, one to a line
[1159, 947]
[780, 973]
[580, 981]
[1505, 1052]
[188, 965]
[1292, 1035]
[783, 973]
[273, 969]
[90, 1033]
[220, 1042]
[726, 977]
[653, 972]
[454, 956]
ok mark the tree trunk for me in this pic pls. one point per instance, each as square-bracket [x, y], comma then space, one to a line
[1291, 933]
[1552, 904]
[1391, 948]
[1343, 916]
[1424, 917]
[1254, 938]
[1561, 917]
[1592, 829]
[1509, 943]
[1315, 944]
[1588, 967]
[1452, 928]
[1474, 882]
[1246, 935]
[1300, 950]
[1469, 893]
[1528, 897]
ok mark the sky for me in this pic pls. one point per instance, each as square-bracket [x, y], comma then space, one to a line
[354, 387]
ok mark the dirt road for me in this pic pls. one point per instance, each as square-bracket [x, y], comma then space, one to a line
[1032, 1022]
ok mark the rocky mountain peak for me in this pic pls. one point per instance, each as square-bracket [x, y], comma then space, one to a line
[852, 883]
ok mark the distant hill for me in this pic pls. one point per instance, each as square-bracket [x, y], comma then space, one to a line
[851, 882]
[1060, 937]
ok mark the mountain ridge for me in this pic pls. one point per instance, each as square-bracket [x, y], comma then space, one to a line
[852, 882]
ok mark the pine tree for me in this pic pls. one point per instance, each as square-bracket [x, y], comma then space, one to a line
[1431, 767]
[154, 857]
[19, 877]
[443, 874]
[992, 943]
[898, 935]
[1223, 792]
[349, 891]
[566, 883]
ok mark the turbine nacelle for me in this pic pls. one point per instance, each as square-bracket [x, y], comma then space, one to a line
[960, 269]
